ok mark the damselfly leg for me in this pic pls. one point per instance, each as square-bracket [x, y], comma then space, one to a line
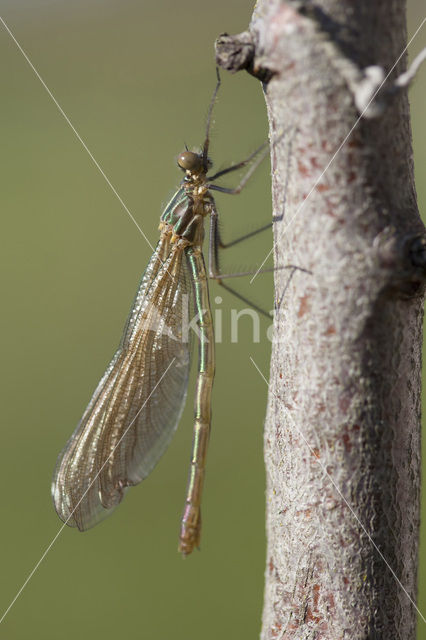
[215, 272]
[216, 243]
[264, 148]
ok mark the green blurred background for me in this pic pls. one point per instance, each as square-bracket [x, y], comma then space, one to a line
[135, 78]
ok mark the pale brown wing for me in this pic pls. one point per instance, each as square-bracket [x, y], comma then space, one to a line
[136, 407]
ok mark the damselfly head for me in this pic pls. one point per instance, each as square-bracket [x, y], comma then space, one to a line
[193, 162]
[190, 161]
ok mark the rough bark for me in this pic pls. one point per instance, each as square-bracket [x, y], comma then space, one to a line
[342, 433]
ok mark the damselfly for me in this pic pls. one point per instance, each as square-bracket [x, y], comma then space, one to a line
[137, 405]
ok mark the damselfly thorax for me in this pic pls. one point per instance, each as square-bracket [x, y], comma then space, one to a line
[184, 215]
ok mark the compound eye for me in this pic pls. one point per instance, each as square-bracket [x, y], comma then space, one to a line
[190, 161]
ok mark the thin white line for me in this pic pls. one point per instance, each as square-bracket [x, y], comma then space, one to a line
[76, 506]
[259, 269]
[32, 573]
[95, 162]
[343, 497]
[300, 207]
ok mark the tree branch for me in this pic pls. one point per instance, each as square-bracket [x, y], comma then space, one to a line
[342, 434]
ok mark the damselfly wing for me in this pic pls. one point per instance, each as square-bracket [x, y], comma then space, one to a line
[137, 405]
